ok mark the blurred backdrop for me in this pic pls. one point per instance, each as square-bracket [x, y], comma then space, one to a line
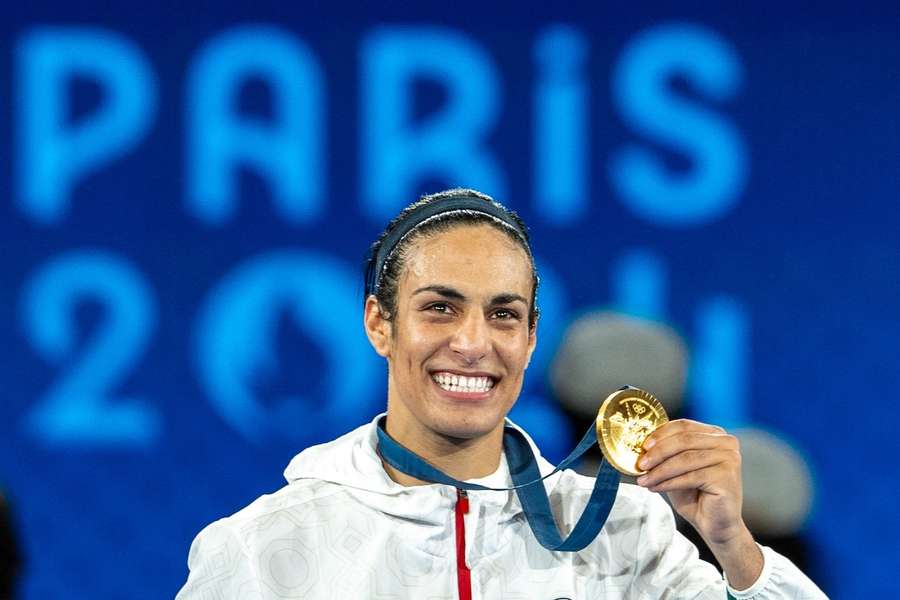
[189, 192]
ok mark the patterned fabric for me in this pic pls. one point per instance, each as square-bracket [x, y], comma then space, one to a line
[342, 528]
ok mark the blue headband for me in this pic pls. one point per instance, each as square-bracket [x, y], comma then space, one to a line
[422, 214]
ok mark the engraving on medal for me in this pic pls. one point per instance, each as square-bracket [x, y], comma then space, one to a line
[624, 421]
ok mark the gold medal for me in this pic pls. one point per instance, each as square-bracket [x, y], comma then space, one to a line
[625, 420]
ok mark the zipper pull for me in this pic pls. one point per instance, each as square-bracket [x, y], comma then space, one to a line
[462, 500]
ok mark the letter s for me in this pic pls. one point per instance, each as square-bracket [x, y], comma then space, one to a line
[643, 96]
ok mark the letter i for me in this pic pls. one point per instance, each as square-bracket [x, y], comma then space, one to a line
[560, 126]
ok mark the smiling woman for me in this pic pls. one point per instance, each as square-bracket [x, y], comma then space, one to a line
[451, 291]
[457, 345]
[450, 304]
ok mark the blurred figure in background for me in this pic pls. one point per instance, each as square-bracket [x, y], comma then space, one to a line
[604, 350]
[10, 558]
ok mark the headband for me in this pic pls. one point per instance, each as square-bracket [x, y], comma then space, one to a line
[422, 214]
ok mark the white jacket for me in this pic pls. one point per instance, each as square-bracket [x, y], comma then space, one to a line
[342, 529]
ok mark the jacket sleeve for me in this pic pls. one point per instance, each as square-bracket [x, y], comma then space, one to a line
[669, 566]
[219, 567]
[780, 578]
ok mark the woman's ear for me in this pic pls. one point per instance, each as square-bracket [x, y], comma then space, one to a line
[378, 328]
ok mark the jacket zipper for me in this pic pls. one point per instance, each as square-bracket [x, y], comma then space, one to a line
[463, 575]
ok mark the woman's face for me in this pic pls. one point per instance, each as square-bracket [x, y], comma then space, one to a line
[460, 340]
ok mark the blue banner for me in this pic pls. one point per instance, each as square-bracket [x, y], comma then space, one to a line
[190, 193]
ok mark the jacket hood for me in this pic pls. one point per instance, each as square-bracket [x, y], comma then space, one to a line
[352, 462]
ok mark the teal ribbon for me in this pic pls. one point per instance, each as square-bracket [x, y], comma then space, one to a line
[527, 482]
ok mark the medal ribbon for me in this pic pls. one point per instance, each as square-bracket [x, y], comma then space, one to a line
[527, 482]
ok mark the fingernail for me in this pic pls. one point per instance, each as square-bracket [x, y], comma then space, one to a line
[642, 480]
[644, 463]
[649, 443]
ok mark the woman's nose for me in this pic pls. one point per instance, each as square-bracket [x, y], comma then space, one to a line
[471, 340]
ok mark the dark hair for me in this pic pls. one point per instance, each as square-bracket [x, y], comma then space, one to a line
[383, 282]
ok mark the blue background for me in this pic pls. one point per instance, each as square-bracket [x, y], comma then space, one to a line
[175, 328]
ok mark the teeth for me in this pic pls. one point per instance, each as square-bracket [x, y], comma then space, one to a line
[461, 383]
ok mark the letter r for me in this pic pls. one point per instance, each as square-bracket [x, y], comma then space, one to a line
[399, 151]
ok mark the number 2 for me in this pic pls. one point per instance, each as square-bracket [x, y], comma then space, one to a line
[78, 408]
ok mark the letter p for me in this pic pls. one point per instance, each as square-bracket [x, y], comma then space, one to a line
[54, 154]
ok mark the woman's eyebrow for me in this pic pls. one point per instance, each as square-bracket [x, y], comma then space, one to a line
[453, 294]
[442, 290]
[508, 299]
